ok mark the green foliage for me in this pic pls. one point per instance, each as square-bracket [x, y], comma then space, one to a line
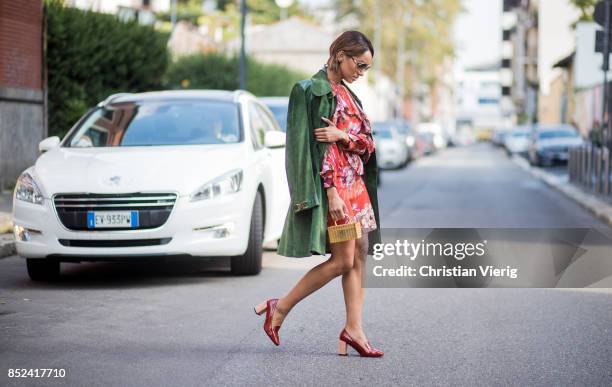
[215, 71]
[586, 8]
[266, 11]
[428, 37]
[260, 11]
[92, 55]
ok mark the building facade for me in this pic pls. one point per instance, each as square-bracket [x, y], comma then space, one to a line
[478, 98]
[22, 85]
[519, 67]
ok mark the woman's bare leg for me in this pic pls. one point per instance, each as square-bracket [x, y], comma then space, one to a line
[340, 262]
[354, 292]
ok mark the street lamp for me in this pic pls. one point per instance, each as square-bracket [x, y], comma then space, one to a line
[242, 63]
[283, 5]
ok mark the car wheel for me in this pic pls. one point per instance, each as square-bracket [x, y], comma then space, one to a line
[538, 161]
[250, 262]
[532, 159]
[43, 269]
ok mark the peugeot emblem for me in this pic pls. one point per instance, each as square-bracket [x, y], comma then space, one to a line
[115, 180]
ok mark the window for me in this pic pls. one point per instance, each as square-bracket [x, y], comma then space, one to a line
[151, 123]
[487, 101]
[258, 126]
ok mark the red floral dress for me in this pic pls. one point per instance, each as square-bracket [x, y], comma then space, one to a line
[343, 165]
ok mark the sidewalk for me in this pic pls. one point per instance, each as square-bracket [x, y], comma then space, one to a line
[600, 207]
[7, 244]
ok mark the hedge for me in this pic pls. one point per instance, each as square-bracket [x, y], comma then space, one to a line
[92, 55]
[216, 71]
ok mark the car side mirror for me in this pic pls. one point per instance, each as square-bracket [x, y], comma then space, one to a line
[48, 143]
[275, 139]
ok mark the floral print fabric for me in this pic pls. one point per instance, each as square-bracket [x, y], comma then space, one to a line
[343, 164]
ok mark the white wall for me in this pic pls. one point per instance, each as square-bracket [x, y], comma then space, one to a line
[475, 90]
[587, 62]
[555, 38]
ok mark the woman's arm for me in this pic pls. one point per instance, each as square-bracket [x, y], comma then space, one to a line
[361, 143]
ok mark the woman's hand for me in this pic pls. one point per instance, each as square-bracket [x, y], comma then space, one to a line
[330, 133]
[337, 208]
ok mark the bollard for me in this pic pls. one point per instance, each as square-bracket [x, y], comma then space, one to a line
[581, 165]
[597, 156]
[606, 170]
[570, 174]
[585, 166]
[588, 167]
[574, 163]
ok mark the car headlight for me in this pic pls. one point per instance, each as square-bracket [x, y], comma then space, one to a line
[410, 141]
[227, 183]
[27, 190]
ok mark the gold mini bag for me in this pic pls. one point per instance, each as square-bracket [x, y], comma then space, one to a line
[344, 232]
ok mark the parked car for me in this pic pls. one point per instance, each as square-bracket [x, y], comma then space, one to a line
[499, 136]
[405, 130]
[549, 144]
[433, 135]
[279, 106]
[402, 131]
[391, 147]
[463, 136]
[159, 174]
[517, 141]
[425, 141]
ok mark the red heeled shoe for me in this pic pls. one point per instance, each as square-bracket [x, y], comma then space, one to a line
[269, 307]
[368, 351]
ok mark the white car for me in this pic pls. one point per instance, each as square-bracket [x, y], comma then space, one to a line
[517, 141]
[159, 174]
[391, 149]
[439, 138]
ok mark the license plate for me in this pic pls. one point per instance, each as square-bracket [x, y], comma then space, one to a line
[112, 219]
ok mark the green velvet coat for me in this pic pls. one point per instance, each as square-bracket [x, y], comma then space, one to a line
[305, 230]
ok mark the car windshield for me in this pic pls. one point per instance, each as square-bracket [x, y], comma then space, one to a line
[382, 133]
[280, 113]
[557, 134]
[153, 123]
[520, 134]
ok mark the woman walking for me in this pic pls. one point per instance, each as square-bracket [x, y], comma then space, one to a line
[332, 175]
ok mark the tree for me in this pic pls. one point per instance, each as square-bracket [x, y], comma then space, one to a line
[261, 11]
[586, 8]
[429, 40]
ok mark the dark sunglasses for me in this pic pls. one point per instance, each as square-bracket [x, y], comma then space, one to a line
[361, 66]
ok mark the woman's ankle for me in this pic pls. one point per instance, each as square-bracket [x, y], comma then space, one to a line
[354, 328]
[281, 308]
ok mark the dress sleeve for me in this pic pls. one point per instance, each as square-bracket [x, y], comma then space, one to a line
[359, 143]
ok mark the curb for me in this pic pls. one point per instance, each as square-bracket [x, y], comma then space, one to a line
[7, 245]
[596, 206]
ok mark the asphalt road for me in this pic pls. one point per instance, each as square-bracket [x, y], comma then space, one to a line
[193, 324]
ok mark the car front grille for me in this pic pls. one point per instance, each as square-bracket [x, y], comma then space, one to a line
[153, 208]
[114, 243]
[556, 149]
